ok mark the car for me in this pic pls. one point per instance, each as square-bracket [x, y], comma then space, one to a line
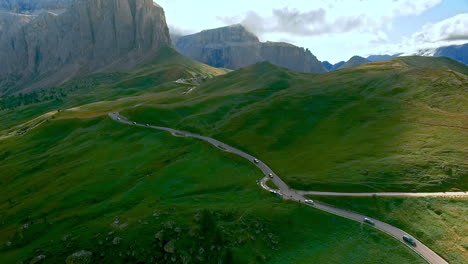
[134, 123]
[118, 118]
[256, 160]
[311, 202]
[368, 221]
[147, 125]
[409, 240]
[270, 175]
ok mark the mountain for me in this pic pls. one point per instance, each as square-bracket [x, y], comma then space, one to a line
[34, 6]
[327, 65]
[47, 49]
[330, 67]
[458, 53]
[381, 57]
[338, 65]
[234, 47]
[354, 61]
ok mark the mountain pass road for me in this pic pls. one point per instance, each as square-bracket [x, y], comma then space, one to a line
[298, 196]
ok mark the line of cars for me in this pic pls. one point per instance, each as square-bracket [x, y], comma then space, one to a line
[406, 238]
[366, 220]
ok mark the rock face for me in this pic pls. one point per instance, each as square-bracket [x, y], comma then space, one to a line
[34, 6]
[458, 53]
[235, 47]
[91, 35]
[354, 61]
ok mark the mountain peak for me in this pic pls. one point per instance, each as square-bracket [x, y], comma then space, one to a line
[354, 61]
[233, 33]
[234, 47]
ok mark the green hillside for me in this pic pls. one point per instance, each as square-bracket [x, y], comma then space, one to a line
[157, 75]
[439, 222]
[381, 126]
[80, 181]
[133, 195]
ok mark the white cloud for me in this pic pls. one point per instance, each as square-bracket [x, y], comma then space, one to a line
[332, 29]
[328, 17]
[451, 29]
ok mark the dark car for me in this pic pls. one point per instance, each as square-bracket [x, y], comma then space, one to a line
[409, 240]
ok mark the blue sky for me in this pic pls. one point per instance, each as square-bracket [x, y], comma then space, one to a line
[333, 30]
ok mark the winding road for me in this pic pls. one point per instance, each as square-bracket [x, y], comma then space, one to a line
[298, 196]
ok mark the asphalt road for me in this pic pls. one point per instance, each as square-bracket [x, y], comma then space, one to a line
[389, 194]
[298, 196]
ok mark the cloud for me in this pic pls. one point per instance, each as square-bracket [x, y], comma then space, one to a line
[330, 17]
[413, 7]
[296, 23]
[178, 31]
[451, 29]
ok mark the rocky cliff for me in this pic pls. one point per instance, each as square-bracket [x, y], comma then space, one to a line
[234, 47]
[91, 35]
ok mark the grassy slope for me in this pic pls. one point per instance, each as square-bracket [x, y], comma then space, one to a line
[155, 76]
[70, 180]
[385, 126]
[438, 222]
[381, 126]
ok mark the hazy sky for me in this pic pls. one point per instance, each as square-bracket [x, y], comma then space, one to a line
[333, 30]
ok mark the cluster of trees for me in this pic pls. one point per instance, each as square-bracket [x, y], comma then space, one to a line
[22, 99]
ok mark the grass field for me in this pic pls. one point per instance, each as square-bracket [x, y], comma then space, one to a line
[378, 127]
[135, 195]
[439, 223]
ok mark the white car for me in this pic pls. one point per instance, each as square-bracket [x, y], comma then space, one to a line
[309, 202]
[368, 221]
[270, 175]
[147, 125]
[134, 123]
[256, 161]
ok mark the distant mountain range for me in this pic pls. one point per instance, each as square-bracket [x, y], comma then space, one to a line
[234, 47]
[382, 57]
[456, 52]
[354, 61]
[332, 67]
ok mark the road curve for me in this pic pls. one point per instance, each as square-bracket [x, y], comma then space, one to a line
[295, 195]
